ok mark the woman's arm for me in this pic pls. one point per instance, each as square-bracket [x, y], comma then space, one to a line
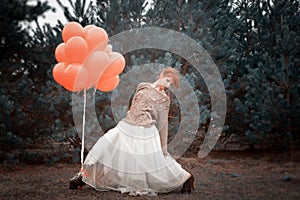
[164, 139]
[162, 126]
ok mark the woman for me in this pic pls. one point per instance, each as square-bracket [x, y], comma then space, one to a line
[133, 157]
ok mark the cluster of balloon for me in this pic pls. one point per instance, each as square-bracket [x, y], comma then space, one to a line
[86, 60]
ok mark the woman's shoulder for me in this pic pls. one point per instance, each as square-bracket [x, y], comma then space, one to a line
[143, 85]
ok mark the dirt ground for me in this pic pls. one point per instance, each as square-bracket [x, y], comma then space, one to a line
[221, 175]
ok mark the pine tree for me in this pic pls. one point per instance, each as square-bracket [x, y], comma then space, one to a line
[269, 41]
[15, 39]
[79, 11]
[22, 105]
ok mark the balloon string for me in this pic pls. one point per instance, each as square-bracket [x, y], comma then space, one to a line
[83, 127]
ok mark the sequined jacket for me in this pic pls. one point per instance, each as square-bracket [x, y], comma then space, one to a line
[150, 107]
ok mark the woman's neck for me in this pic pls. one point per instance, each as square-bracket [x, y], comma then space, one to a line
[157, 86]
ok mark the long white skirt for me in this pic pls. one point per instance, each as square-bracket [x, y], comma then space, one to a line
[129, 159]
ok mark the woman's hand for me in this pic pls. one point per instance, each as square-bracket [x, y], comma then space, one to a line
[165, 152]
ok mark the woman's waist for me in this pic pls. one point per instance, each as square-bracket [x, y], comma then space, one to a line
[136, 130]
[141, 119]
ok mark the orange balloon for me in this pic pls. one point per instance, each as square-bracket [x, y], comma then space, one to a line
[86, 28]
[72, 29]
[96, 37]
[76, 77]
[116, 65]
[108, 49]
[60, 53]
[108, 84]
[76, 49]
[58, 72]
[96, 63]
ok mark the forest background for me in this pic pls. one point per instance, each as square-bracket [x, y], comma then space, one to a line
[255, 44]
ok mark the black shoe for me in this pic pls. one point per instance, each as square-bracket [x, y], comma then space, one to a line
[188, 185]
[76, 182]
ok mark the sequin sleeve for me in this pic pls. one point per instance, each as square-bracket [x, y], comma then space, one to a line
[150, 107]
[161, 114]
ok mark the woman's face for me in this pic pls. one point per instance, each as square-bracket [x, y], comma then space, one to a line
[165, 81]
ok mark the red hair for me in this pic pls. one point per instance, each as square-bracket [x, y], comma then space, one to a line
[173, 73]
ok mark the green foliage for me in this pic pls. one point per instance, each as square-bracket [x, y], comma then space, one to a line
[80, 12]
[116, 16]
[27, 87]
[269, 106]
[15, 40]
